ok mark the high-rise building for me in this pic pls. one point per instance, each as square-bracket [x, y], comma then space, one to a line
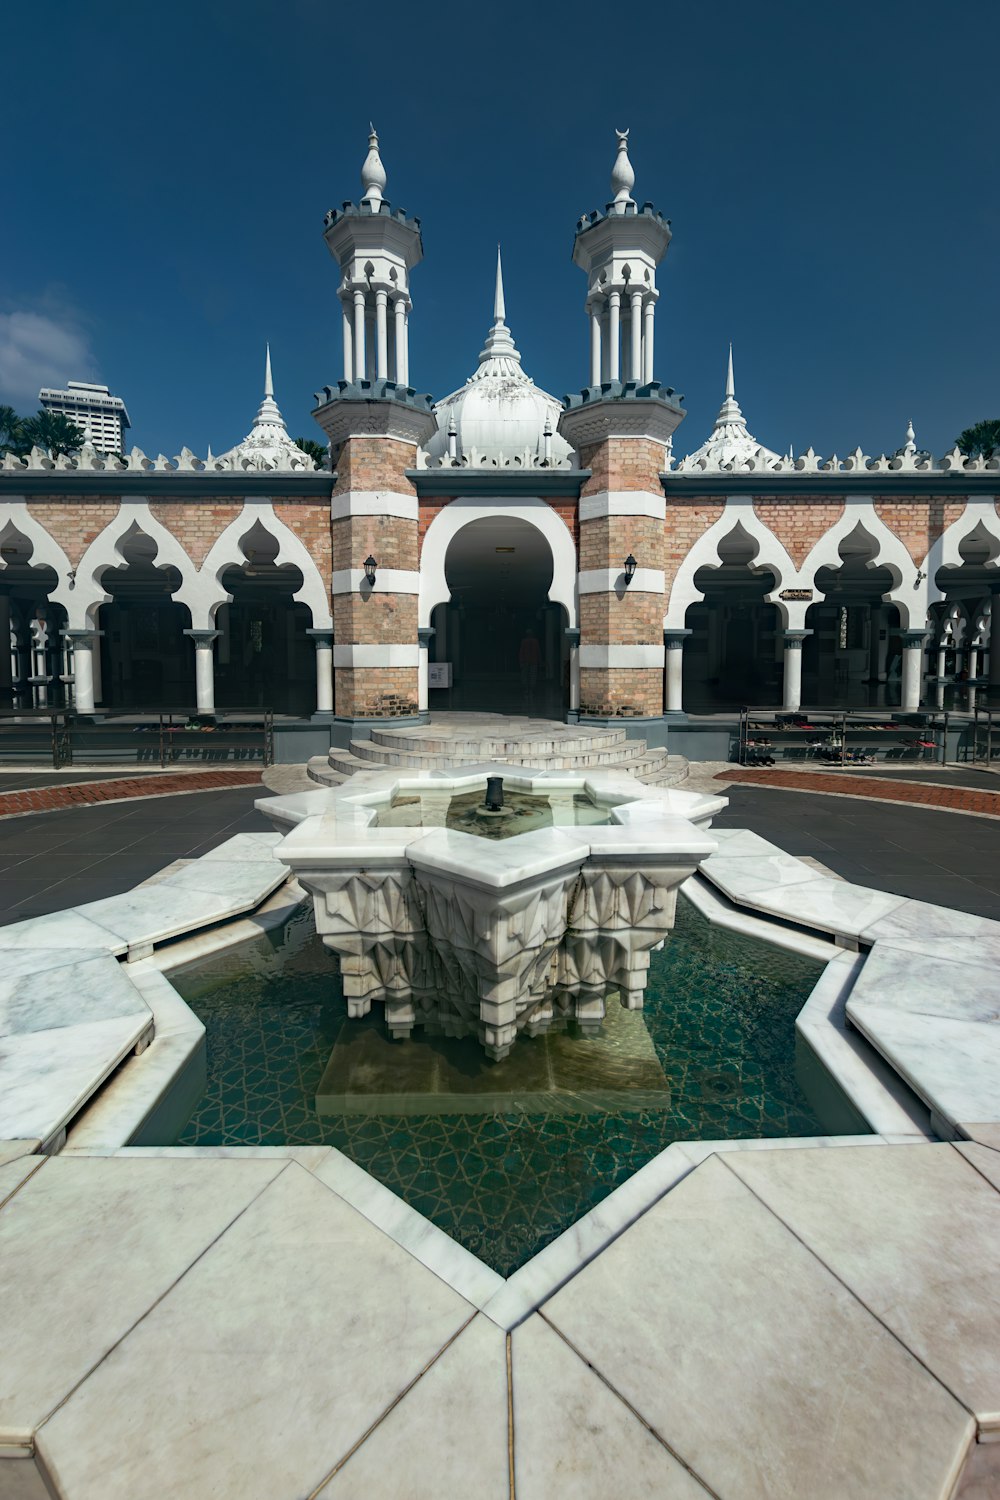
[94, 410]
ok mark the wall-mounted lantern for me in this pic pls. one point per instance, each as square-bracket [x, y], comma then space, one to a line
[630, 567]
[370, 567]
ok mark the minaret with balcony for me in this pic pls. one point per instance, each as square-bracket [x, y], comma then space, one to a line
[375, 423]
[621, 426]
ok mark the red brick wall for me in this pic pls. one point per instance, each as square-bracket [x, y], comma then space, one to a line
[74, 523]
[375, 463]
[621, 692]
[379, 619]
[687, 520]
[798, 521]
[919, 522]
[197, 526]
[375, 692]
[431, 508]
[623, 463]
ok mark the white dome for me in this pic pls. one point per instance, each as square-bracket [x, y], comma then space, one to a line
[499, 417]
[730, 441]
[267, 444]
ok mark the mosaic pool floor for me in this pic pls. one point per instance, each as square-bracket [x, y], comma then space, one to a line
[507, 1178]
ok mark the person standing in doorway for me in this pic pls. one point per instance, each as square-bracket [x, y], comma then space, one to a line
[529, 659]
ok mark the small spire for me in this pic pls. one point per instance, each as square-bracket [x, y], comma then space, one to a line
[372, 171]
[268, 383]
[499, 311]
[622, 173]
[911, 446]
[730, 383]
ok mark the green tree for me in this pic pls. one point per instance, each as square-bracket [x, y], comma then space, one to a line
[50, 430]
[314, 450]
[980, 441]
[10, 430]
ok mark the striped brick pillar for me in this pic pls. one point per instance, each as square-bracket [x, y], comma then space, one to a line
[376, 428]
[621, 437]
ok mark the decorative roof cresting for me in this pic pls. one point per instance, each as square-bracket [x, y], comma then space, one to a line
[267, 444]
[730, 442]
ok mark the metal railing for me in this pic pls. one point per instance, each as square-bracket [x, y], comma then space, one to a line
[163, 737]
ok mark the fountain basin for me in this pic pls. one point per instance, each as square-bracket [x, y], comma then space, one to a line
[516, 933]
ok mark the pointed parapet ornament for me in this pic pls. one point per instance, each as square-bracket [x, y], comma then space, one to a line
[622, 173]
[372, 171]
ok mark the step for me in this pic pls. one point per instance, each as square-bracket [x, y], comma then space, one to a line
[488, 747]
[514, 754]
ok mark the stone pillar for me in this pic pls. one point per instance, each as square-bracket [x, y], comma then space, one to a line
[348, 342]
[792, 692]
[647, 341]
[913, 668]
[674, 640]
[204, 668]
[377, 654]
[424, 637]
[635, 372]
[399, 312]
[84, 645]
[359, 335]
[381, 335]
[614, 335]
[573, 641]
[595, 343]
[406, 348]
[323, 642]
[622, 510]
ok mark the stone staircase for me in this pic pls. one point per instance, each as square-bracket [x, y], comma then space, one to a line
[470, 739]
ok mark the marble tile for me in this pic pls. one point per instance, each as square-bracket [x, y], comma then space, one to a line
[985, 1160]
[739, 875]
[502, 862]
[242, 885]
[14, 1173]
[95, 990]
[914, 1232]
[20, 1480]
[707, 900]
[985, 1135]
[86, 1248]
[47, 1076]
[906, 980]
[830, 905]
[939, 931]
[263, 1366]
[462, 1270]
[12, 1150]
[158, 1088]
[61, 930]
[742, 843]
[566, 1255]
[981, 1475]
[448, 1435]
[954, 1066]
[242, 847]
[573, 1438]
[751, 1360]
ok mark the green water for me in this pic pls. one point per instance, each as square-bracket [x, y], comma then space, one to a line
[505, 1179]
[522, 812]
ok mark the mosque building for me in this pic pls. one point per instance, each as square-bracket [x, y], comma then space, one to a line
[499, 549]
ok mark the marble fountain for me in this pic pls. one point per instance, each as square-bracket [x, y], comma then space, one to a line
[479, 928]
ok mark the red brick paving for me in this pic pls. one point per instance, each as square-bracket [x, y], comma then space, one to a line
[115, 789]
[922, 794]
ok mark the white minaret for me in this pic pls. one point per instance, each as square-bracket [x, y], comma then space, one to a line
[376, 247]
[620, 250]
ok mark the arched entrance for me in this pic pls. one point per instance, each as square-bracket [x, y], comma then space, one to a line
[146, 661]
[500, 631]
[853, 658]
[733, 655]
[264, 658]
[34, 670]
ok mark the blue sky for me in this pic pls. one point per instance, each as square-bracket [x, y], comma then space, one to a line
[830, 171]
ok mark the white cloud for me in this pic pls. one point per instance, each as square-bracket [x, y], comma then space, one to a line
[41, 348]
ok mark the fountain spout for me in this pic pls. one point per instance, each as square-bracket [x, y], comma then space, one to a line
[494, 794]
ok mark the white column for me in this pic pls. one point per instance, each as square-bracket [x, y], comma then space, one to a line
[913, 668]
[635, 372]
[424, 637]
[406, 348]
[792, 692]
[573, 637]
[399, 311]
[348, 342]
[204, 668]
[647, 341]
[323, 642]
[614, 340]
[381, 335]
[674, 640]
[595, 343]
[359, 335]
[84, 642]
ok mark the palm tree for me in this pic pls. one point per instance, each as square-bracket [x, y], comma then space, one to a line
[981, 440]
[10, 431]
[314, 450]
[50, 430]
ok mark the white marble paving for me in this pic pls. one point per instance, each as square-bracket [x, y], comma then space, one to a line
[831, 905]
[985, 1135]
[902, 979]
[752, 1361]
[265, 1356]
[939, 931]
[60, 931]
[92, 988]
[12, 1150]
[953, 1065]
[573, 1438]
[409, 1229]
[985, 1160]
[448, 1435]
[914, 1232]
[86, 1248]
[739, 876]
[15, 1172]
[20, 1480]
[718, 910]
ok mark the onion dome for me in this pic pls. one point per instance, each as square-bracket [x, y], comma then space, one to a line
[499, 418]
[730, 442]
[267, 444]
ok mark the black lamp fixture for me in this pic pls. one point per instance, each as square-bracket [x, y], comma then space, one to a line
[370, 566]
[630, 567]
